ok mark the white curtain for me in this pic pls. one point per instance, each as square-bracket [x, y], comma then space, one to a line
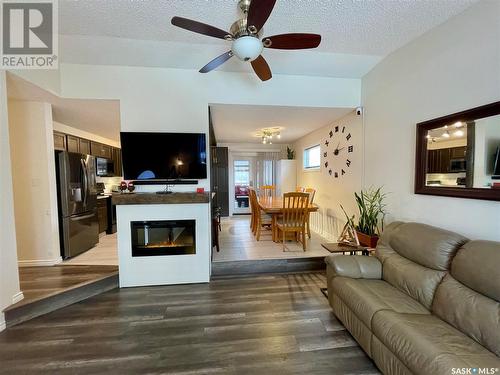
[266, 168]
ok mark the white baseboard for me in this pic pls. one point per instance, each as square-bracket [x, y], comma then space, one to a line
[17, 297]
[39, 263]
[2, 322]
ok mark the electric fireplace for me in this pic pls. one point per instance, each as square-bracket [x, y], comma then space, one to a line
[166, 237]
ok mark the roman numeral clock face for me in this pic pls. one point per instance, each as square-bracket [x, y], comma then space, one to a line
[338, 150]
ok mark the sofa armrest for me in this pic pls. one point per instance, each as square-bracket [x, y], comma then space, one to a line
[355, 266]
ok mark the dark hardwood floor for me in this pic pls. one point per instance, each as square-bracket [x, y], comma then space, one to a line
[41, 282]
[272, 324]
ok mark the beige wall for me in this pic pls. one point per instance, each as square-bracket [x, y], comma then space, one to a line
[451, 68]
[9, 278]
[332, 192]
[34, 181]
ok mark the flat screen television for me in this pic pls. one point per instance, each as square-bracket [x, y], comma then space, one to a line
[496, 163]
[163, 156]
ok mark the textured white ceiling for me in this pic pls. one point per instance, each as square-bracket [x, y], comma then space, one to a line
[97, 116]
[240, 123]
[365, 27]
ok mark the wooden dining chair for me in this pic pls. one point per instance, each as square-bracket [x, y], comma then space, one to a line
[312, 193]
[259, 219]
[268, 191]
[294, 216]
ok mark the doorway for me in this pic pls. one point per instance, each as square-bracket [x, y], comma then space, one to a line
[243, 179]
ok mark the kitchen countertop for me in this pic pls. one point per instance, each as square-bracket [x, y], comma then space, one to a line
[153, 198]
[104, 196]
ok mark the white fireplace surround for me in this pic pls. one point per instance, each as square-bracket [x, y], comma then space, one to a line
[169, 269]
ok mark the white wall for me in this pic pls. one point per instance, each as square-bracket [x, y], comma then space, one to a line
[9, 278]
[155, 99]
[454, 67]
[34, 180]
[331, 192]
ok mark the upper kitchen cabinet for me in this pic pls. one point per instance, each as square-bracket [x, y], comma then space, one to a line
[73, 144]
[101, 150]
[84, 146]
[117, 159]
[59, 141]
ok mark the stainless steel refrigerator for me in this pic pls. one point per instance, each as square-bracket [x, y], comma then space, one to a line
[77, 199]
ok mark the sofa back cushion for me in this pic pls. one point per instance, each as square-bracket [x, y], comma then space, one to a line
[415, 257]
[428, 246]
[469, 297]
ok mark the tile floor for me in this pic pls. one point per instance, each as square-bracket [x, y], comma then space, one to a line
[105, 253]
[237, 242]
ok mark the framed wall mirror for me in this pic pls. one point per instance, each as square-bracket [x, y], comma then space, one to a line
[459, 155]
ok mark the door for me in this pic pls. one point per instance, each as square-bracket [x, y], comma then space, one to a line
[243, 180]
[77, 183]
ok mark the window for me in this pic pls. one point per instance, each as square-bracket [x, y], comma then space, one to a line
[312, 157]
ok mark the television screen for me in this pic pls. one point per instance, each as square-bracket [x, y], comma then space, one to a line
[496, 161]
[163, 156]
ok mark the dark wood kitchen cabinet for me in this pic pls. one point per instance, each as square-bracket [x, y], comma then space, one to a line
[100, 150]
[84, 146]
[117, 159]
[72, 143]
[102, 214]
[439, 161]
[458, 152]
[59, 141]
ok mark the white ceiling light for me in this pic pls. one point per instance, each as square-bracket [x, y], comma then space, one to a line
[247, 48]
[446, 134]
[458, 133]
[458, 124]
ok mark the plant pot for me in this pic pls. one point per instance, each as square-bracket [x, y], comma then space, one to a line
[367, 240]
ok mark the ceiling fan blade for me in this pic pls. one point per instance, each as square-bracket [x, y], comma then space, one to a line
[292, 41]
[261, 68]
[216, 62]
[200, 28]
[258, 13]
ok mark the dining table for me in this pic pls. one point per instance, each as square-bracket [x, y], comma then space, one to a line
[273, 205]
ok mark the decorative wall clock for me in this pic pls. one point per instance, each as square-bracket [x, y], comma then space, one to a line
[338, 149]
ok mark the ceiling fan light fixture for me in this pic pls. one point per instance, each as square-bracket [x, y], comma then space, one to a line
[247, 48]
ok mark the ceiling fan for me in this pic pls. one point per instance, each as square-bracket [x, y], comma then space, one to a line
[245, 35]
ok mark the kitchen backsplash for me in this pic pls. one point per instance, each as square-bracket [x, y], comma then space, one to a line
[447, 179]
[109, 182]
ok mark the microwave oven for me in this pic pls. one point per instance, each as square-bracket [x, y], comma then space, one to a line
[105, 167]
[457, 165]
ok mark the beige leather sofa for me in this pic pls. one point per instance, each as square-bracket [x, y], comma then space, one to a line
[427, 303]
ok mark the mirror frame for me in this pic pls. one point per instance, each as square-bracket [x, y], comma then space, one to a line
[487, 110]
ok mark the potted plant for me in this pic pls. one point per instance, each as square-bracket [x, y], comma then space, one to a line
[290, 153]
[371, 216]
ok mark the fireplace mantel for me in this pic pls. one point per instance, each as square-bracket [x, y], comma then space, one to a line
[153, 198]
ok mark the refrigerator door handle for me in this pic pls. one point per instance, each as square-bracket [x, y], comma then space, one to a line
[79, 217]
[85, 182]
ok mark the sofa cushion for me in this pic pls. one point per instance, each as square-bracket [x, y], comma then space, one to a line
[417, 281]
[428, 345]
[428, 246]
[469, 311]
[366, 297]
[477, 265]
